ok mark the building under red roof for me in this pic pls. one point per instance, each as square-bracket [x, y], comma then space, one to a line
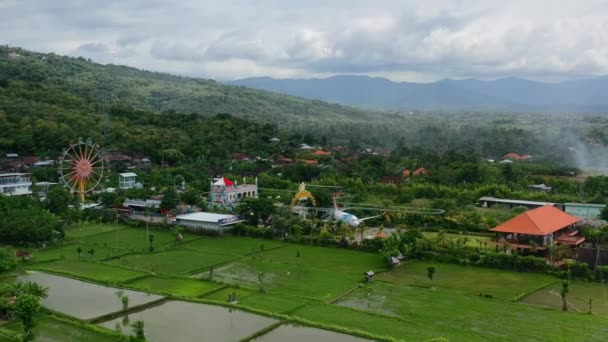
[321, 153]
[540, 221]
[406, 172]
[420, 171]
[309, 161]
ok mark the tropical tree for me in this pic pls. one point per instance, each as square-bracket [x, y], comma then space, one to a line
[7, 260]
[430, 272]
[137, 328]
[24, 304]
[564, 293]
[170, 200]
[24, 308]
[125, 301]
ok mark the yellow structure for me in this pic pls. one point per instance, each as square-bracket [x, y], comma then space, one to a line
[302, 195]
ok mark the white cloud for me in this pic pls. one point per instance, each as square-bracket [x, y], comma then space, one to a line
[403, 40]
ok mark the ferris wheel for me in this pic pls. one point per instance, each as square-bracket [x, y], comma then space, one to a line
[81, 167]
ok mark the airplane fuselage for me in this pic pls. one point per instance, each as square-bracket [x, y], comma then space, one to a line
[347, 218]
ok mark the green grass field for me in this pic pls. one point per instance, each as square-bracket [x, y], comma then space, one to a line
[92, 271]
[461, 317]
[288, 279]
[230, 245]
[329, 259]
[272, 302]
[578, 297]
[386, 308]
[222, 295]
[474, 280]
[472, 241]
[174, 262]
[83, 230]
[51, 329]
[175, 286]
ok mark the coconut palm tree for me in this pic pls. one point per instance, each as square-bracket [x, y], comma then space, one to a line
[563, 293]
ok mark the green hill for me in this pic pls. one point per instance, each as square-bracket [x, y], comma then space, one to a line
[79, 84]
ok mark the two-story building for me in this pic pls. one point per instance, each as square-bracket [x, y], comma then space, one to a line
[538, 229]
[15, 184]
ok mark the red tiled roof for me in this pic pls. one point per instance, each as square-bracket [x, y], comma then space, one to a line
[406, 172]
[420, 171]
[512, 155]
[321, 153]
[309, 161]
[540, 221]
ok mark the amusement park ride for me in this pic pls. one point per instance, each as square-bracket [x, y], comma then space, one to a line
[340, 215]
[81, 167]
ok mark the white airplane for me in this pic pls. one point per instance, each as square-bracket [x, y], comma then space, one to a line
[349, 219]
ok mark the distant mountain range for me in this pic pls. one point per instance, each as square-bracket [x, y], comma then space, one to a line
[507, 94]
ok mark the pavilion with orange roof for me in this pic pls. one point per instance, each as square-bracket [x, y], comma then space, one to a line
[543, 226]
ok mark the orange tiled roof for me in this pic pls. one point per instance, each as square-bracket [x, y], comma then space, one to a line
[512, 155]
[540, 221]
[420, 171]
[321, 153]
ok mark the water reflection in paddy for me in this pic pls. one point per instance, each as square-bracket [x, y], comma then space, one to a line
[178, 321]
[81, 299]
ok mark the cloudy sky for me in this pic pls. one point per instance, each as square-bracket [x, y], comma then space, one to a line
[403, 40]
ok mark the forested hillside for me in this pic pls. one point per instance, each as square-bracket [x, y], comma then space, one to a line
[47, 100]
[82, 84]
[507, 94]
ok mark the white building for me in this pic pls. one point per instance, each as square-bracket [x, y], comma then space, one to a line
[127, 180]
[15, 184]
[204, 220]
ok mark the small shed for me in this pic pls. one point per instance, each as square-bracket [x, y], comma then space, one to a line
[369, 276]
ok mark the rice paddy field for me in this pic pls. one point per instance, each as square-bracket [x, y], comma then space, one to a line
[324, 287]
[470, 279]
[578, 297]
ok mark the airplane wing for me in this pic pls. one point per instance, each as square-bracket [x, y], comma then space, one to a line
[369, 218]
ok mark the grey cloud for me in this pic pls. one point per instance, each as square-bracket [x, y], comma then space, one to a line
[471, 38]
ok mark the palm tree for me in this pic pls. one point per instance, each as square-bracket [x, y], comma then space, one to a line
[442, 239]
[430, 272]
[563, 293]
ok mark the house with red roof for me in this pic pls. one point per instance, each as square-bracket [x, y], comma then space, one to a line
[420, 171]
[309, 161]
[321, 153]
[543, 227]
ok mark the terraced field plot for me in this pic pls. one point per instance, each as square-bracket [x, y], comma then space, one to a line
[173, 262]
[88, 270]
[175, 286]
[330, 259]
[578, 297]
[474, 280]
[222, 295]
[83, 230]
[230, 245]
[272, 302]
[288, 279]
[461, 317]
[84, 300]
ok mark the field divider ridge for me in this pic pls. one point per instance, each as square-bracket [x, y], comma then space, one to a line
[129, 310]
